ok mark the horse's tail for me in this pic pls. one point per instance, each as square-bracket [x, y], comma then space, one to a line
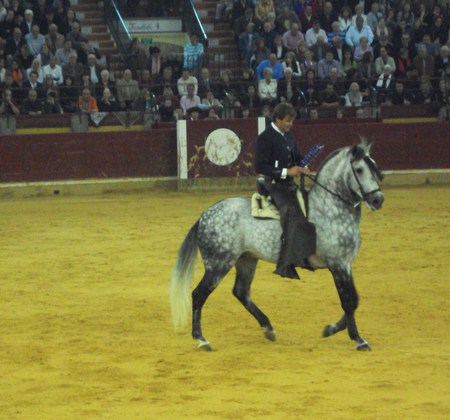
[181, 279]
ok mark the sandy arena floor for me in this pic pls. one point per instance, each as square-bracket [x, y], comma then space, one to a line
[85, 328]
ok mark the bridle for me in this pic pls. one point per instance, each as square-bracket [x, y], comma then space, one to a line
[363, 195]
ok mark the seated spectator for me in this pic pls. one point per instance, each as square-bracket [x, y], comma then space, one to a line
[32, 105]
[25, 57]
[361, 49]
[287, 88]
[10, 83]
[87, 83]
[404, 64]
[349, 65]
[356, 31]
[65, 25]
[14, 43]
[382, 31]
[33, 84]
[168, 94]
[319, 49]
[175, 63]
[443, 100]
[225, 86]
[400, 96]
[35, 40]
[85, 50]
[87, 103]
[193, 114]
[92, 69]
[105, 83]
[425, 94]
[44, 55]
[382, 60]
[209, 101]
[292, 63]
[345, 18]
[205, 83]
[278, 48]
[354, 96]
[8, 105]
[291, 37]
[194, 55]
[49, 86]
[18, 74]
[247, 42]
[54, 39]
[2, 70]
[166, 110]
[263, 8]
[335, 32]
[247, 78]
[307, 18]
[313, 114]
[260, 53]
[267, 88]
[308, 63]
[144, 102]
[8, 24]
[145, 80]
[273, 64]
[359, 13]
[325, 65]
[62, 54]
[68, 94]
[36, 66]
[439, 30]
[327, 16]
[431, 47]
[127, 90]
[442, 61]
[286, 18]
[212, 114]
[313, 33]
[73, 68]
[76, 37]
[374, 16]
[223, 10]
[190, 100]
[329, 98]
[184, 81]
[166, 79]
[424, 62]
[249, 99]
[242, 21]
[51, 104]
[268, 34]
[27, 23]
[366, 67]
[385, 84]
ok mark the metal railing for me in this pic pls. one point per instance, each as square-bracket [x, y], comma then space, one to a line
[117, 26]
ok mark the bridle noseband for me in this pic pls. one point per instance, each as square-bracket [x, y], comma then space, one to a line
[374, 171]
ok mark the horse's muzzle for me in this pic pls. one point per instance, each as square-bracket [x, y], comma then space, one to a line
[375, 200]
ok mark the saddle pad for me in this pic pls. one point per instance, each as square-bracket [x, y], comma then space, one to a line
[262, 208]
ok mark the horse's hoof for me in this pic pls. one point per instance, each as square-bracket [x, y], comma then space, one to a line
[363, 346]
[270, 334]
[328, 330]
[204, 346]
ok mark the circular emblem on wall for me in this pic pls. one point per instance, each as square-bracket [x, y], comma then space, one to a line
[222, 146]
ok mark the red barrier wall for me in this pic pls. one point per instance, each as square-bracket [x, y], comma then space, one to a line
[153, 153]
[44, 157]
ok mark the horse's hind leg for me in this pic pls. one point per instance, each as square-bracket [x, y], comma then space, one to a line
[207, 285]
[245, 271]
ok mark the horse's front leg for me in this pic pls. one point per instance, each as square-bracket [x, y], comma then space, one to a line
[348, 295]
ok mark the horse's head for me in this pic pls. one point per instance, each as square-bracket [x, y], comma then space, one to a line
[365, 176]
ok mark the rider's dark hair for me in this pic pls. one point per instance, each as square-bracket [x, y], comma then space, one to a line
[282, 110]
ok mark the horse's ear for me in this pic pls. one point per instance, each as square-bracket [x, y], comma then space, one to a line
[357, 152]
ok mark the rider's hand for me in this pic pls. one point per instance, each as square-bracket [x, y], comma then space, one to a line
[297, 170]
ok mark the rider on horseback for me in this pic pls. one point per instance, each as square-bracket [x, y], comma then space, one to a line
[277, 159]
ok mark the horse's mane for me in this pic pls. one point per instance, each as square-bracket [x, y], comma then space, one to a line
[363, 146]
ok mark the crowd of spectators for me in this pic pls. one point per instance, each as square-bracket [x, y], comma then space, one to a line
[314, 54]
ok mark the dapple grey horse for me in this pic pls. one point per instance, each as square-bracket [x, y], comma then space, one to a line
[227, 235]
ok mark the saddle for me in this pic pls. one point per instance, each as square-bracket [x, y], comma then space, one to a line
[264, 208]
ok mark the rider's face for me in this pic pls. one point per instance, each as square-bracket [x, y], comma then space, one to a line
[285, 124]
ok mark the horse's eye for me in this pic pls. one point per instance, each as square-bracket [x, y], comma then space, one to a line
[359, 171]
